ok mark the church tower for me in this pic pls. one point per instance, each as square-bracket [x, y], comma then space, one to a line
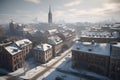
[50, 15]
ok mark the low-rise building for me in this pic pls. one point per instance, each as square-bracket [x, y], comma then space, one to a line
[11, 57]
[13, 53]
[92, 56]
[56, 43]
[43, 52]
[115, 61]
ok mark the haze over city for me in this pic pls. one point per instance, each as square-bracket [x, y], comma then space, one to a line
[26, 11]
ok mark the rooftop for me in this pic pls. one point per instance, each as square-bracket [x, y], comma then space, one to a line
[43, 47]
[96, 48]
[23, 42]
[54, 40]
[103, 34]
[13, 49]
[116, 45]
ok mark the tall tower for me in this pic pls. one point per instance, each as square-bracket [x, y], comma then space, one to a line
[50, 15]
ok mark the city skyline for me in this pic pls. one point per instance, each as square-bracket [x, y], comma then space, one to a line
[26, 11]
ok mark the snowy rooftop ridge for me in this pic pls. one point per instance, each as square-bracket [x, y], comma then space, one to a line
[96, 48]
[54, 40]
[43, 47]
[23, 42]
[13, 49]
[97, 34]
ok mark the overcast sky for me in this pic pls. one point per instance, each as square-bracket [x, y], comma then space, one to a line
[67, 10]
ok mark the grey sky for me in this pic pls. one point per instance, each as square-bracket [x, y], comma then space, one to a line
[67, 10]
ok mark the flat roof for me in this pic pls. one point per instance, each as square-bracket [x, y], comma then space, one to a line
[96, 48]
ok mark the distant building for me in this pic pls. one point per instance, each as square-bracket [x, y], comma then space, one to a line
[50, 15]
[100, 36]
[56, 43]
[43, 53]
[91, 56]
[51, 32]
[67, 36]
[12, 27]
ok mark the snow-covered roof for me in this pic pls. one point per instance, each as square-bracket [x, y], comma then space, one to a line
[98, 34]
[67, 34]
[54, 40]
[52, 31]
[13, 49]
[23, 42]
[43, 47]
[96, 48]
[116, 45]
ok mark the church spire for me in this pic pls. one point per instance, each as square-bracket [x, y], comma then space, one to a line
[49, 8]
[50, 15]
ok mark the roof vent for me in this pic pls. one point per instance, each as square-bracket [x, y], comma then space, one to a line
[26, 42]
[77, 48]
[48, 46]
[93, 42]
[15, 50]
[89, 49]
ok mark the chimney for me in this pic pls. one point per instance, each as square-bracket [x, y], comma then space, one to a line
[93, 42]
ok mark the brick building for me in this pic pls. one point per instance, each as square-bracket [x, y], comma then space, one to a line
[11, 57]
[43, 53]
[13, 54]
[102, 58]
[115, 61]
[100, 36]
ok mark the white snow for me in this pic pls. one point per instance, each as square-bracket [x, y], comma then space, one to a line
[54, 40]
[13, 49]
[34, 71]
[98, 34]
[23, 42]
[116, 45]
[96, 48]
[43, 47]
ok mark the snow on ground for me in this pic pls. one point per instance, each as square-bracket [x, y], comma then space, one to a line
[52, 73]
[34, 70]
[65, 64]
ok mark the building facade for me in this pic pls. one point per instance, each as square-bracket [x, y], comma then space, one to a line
[91, 56]
[43, 53]
[12, 57]
[115, 61]
[102, 58]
